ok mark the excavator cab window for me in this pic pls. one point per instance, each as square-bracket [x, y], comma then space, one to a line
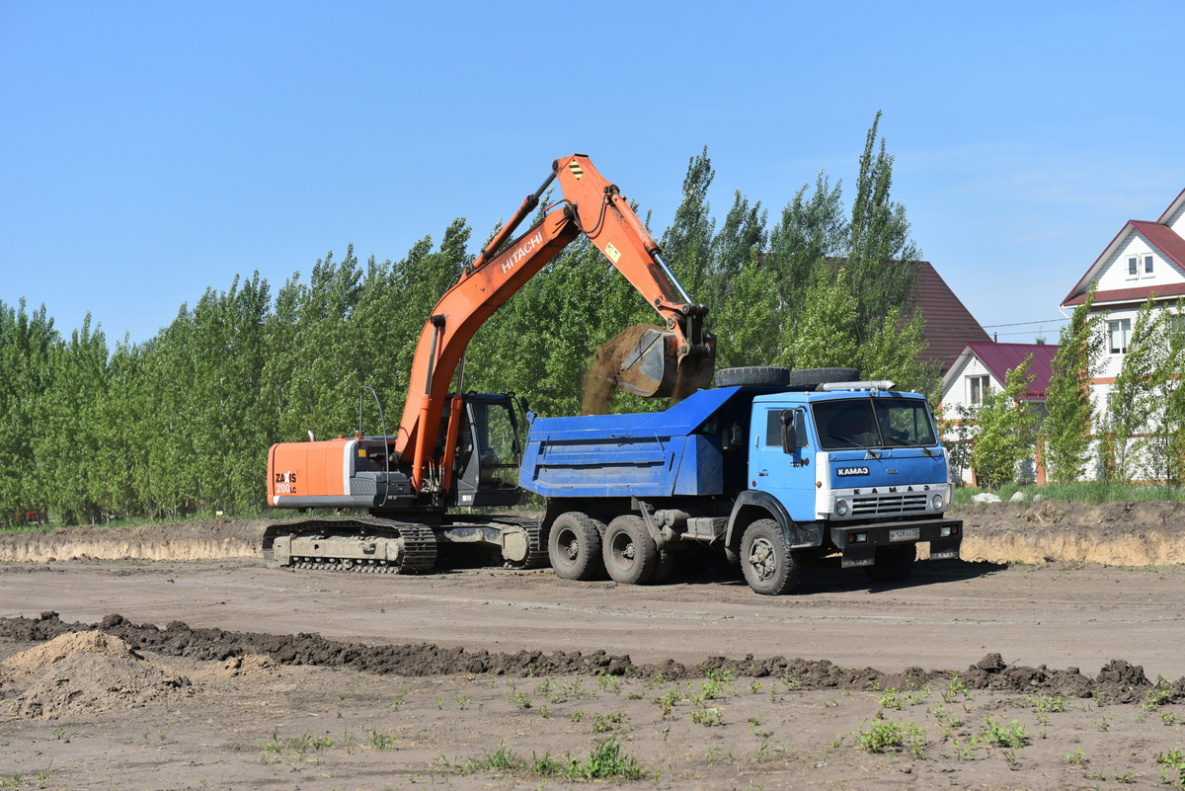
[488, 451]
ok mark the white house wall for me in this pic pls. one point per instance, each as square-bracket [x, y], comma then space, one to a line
[1176, 220]
[1115, 275]
[958, 394]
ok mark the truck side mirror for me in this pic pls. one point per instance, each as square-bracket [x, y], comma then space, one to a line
[793, 432]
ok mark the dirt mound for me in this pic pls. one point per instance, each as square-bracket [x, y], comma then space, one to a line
[82, 671]
[45, 657]
[198, 540]
[1117, 534]
[249, 665]
[252, 652]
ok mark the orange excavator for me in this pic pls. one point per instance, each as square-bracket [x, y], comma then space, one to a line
[462, 450]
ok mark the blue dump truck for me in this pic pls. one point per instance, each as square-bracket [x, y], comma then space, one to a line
[773, 470]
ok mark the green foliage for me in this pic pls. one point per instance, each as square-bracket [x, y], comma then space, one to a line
[1065, 434]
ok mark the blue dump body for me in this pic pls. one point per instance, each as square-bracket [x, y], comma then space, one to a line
[638, 455]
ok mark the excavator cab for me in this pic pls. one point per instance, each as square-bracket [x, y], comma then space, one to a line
[488, 450]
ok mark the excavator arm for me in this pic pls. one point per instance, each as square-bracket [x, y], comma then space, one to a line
[591, 206]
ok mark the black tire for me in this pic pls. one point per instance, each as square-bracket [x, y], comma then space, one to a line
[628, 550]
[813, 377]
[755, 375]
[663, 568]
[770, 568]
[574, 546]
[893, 563]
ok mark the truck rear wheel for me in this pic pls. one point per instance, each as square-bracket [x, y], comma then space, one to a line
[770, 567]
[893, 563]
[574, 546]
[629, 551]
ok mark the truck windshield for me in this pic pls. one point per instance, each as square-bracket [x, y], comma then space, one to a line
[874, 423]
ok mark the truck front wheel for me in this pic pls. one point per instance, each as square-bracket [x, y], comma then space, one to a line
[893, 563]
[771, 569]
[574, 546]
[630, 553]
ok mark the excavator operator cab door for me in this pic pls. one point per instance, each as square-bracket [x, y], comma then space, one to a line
[488, 452]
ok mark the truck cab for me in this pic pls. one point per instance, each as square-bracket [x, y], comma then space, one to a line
[859, 468]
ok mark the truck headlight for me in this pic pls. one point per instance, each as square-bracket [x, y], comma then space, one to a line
[841, 507]
[936, 502]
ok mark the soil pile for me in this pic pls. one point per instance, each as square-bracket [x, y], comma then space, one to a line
[80, 672]
[601, 381]
[253, 652]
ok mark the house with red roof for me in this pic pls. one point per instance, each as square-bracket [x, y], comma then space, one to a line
[1145, 260]
[981, 369]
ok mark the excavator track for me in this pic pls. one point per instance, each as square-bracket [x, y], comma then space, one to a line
[367, 545]
[537, 550]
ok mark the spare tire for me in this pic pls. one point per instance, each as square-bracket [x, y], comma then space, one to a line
[813, 377]
[756, 375]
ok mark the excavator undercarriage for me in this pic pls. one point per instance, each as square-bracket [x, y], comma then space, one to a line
[383, 545]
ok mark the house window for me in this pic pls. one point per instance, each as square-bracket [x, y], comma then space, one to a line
[1147, 265]
[1133, 266]
[1120, 333]
[977, 388]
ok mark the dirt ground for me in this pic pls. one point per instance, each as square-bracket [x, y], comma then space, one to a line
[169, 657]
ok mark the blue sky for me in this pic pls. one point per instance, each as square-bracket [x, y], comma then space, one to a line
[152, 150]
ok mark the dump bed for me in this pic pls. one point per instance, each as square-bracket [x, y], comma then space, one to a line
[661, 454]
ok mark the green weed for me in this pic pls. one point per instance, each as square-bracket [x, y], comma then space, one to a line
[1172, 767]
[998, 734]
[881, 736]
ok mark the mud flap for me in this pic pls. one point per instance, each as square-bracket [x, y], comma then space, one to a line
[945, 550]
[859, 555]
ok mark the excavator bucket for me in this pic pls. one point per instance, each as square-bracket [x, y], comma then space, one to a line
[644, 360]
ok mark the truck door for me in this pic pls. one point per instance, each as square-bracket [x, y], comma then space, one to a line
[790, 477]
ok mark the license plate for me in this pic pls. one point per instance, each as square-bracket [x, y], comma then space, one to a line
[905, 534]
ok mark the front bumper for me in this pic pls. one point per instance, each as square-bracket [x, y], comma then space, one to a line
[858, 543]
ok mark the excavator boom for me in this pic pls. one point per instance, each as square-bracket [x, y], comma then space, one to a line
[591, 206]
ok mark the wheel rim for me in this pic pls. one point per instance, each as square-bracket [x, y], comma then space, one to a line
[569, 547]
[761, 559]
[624, 552]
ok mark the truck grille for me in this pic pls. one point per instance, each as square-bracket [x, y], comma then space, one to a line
[889, 503]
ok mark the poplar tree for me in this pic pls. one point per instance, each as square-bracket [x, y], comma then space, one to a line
[1066, 432]
[1132, 399]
